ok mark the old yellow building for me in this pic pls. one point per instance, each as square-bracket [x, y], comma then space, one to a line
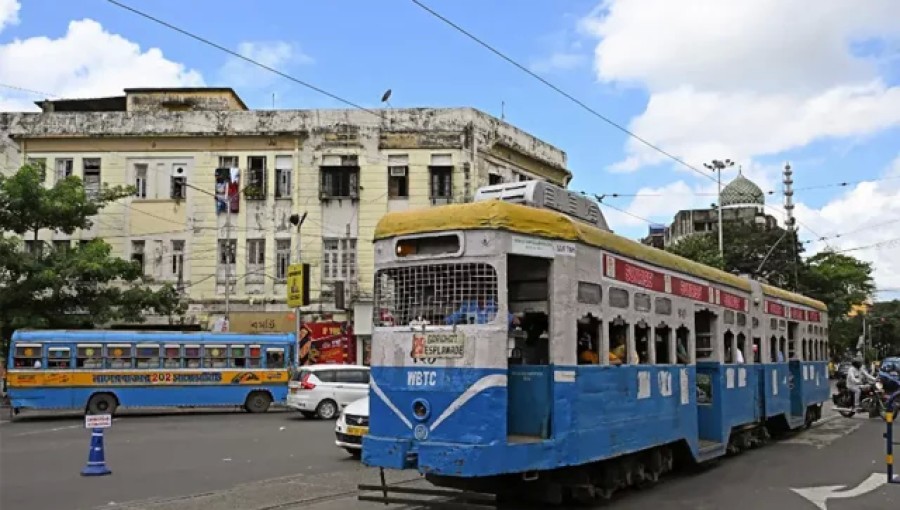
[218, 183]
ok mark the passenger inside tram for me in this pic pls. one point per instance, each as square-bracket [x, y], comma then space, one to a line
[617, 344]
[588, 331]
[681, 346]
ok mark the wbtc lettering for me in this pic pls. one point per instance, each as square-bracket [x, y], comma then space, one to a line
[421, 378]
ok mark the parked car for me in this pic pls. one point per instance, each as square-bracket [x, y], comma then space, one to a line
[324, 390]
[352, 425]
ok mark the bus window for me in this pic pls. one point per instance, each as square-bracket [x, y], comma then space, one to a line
[275, 357]
[118, 356]
[148, 356]
[59, 357]
[255, 358]
[88, 356]
[173, 356]
[238, 356]
[192, 356]
[28, 356]
[215, 356]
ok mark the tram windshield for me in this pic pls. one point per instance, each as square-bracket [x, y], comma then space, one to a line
[436, 294]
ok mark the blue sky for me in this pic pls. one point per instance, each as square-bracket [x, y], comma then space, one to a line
[758, 82]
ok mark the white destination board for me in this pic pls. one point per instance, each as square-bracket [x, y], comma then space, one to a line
[537, 247]
[98, 421]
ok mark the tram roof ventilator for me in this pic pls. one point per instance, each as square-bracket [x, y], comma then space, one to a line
[544, 195]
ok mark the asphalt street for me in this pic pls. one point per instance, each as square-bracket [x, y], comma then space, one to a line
[234, 460]
[161, 455]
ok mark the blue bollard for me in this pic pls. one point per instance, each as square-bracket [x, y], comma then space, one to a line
[96, 465]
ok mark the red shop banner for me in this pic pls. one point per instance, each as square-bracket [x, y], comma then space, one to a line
[332, 342]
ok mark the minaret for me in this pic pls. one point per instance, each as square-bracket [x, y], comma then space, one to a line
[788, 181]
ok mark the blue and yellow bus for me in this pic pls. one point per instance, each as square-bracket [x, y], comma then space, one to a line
[100, 371]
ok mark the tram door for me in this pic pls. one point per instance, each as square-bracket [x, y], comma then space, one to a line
[529, 374]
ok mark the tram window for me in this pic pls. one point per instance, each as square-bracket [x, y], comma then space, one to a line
[809, 328]
[782, 325]
[757, 349]
[663, 306]
[588, 347]
[741, 320]
[445, 244]
[119, 356]
[642, 342]
[704, 321]
[88, 356]
[641, 302]
[215, 356]
[148, 356]
[589, 293]
[618, 342]
[662, 336]
[682, 345]
[729, 317]
[618, 297]
[782, 349]
[740, 353]
[803, 347]
[172, 356]
[192, 356]
[238, 356]
[275, 357]
[58, 357]
[255, 358]
[773, 349]
[730, 356]
[755, 323]
[773, 325]
[28, 356]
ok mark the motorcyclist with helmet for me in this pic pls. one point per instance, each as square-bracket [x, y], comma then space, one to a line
[857, 379]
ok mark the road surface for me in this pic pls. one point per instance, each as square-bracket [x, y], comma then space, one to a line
[234, 460]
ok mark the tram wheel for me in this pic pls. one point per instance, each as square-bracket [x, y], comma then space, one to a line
[102, 403]
[258, 402]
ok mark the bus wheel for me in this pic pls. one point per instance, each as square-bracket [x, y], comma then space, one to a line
[258, 402]
[102, 403]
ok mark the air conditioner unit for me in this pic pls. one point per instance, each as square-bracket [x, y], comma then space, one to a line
[398, 171]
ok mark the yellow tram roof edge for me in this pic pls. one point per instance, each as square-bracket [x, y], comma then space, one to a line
[500, 215]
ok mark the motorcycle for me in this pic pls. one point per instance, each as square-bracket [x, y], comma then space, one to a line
[871, 400]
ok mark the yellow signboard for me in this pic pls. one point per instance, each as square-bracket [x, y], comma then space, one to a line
[298, 285]
[262, 322]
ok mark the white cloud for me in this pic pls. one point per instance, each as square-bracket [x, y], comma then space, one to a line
[558, 61]
[275, 54]
[747, 78]
[87, 61]
[865, 215]
[9, 13]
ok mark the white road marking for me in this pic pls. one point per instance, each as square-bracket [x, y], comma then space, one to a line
[819, 496]
[44, 431]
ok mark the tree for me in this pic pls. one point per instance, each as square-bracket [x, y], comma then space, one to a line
[838, 280]
[70, 287]
[702, 248]
[749, 249]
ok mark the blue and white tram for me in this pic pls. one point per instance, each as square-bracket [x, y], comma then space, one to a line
[516, 347]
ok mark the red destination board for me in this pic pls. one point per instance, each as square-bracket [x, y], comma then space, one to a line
[635, 275]
[691, 290]
[733, 301]
[798, 314]
[813, 316]
[773, 308]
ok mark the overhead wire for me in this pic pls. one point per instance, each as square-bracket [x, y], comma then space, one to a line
[557, 89]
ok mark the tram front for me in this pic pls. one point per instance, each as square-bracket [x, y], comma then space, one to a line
[439, 348]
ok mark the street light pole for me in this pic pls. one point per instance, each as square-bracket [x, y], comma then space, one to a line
[717, 166]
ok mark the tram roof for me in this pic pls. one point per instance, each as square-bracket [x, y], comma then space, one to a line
[500, 215]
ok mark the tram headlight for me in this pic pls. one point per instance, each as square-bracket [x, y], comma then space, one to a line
[421, 409]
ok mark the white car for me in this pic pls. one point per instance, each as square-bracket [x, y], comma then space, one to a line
[323, 390]
[352, 425]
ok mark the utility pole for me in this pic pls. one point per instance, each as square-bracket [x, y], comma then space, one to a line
[717, 166]
[228, 259]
